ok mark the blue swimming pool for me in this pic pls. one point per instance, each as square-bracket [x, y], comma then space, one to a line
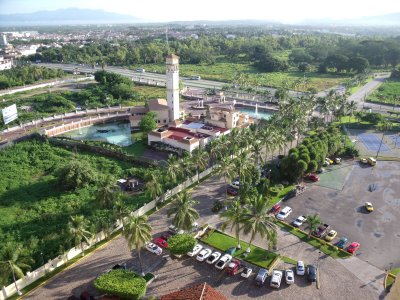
[251, 112]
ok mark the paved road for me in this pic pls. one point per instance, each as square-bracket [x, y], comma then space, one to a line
[336, 281]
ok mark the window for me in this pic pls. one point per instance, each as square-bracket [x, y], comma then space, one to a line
[165, 121]
[158, 121]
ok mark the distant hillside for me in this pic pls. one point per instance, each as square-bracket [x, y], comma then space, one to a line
[67, 16]
[382, 20]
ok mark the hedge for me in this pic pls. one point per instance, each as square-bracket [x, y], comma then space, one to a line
[181, 244]
[122, 283]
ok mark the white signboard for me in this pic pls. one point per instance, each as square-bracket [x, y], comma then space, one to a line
[10, 113]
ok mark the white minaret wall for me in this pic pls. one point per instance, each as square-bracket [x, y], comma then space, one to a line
[172, 62]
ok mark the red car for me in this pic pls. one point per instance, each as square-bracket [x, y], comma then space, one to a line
[160, 242]
[231, 191]
[233, 267]
[312, 177]
[353, 247]
[275, 209]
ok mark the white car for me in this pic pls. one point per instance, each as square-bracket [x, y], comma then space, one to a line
[153, 248]
[196, 249]
[235, 184]
[141, 70]
[276, 279]
[246, 272]
[289, 276]
[223, 261]
[203, 254]
[299, 221]
[284, 213]
[300, 269]
[213, 257]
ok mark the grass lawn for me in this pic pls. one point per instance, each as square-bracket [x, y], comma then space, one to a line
[226, 72]
[282, 193]
[387, 93]
[325, 248]
[257, 256]
[390, 280]
[137, 148]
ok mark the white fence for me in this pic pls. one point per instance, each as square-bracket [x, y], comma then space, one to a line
[51, 265]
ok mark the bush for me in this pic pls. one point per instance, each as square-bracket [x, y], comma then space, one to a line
[121, 283]
[181, 244]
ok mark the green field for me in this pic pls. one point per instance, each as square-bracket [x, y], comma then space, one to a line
[224, 71]
[387, 93]
[34, 211]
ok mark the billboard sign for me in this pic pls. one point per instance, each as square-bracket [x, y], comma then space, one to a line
[10, 113]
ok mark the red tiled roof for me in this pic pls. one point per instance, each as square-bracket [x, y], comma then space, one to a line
[200, 291]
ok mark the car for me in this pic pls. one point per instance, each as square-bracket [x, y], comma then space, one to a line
[275, 209]
[353, 247]
[363, 160]
[289, 276]
[261, 276]
[231, 251]
[161, 243]
[233, 267]
[195, 77]
[284, 213]
[213, 257]
[196, 249]
[203, 254]
[165, 236]
[246, 272]
[300, 270]
[174, 230]
[371, 161]
[342, 242]
[312, 177]
[338, 160]
[321, 230]
[328, 160]
[223, 261]
[276, 279]
[331, 235]
[369, 207]
[231, 191]
[312, 273]
[153, 248]
[141, 70]
[235, 184]
[299, 221]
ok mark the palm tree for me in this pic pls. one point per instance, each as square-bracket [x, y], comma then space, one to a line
[185, 213]
[200, 160]
[272, 240]
[107, 192]
[154, 187]
[12, 264]
[78, 231]
[234, 218]
[384, 126]
[225, 168]
[120, 211]
[312, 223]
[137, 233]
[257, 220]
[351, 107]
[173, 167]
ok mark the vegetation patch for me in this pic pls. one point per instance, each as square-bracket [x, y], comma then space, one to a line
[180, 244]
[387, 93]
[121, 283]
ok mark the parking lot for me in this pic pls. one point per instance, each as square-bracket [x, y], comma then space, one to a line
[378, 231]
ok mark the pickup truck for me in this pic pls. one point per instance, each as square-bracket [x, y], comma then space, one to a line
[321, 231]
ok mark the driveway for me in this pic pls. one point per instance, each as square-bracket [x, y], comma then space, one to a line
[378, 232]
[336, 281]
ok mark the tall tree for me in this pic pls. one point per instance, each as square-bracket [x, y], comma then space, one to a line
[137, 233]
[120, 211]
[183, 210]
[107, 192]
[78, 230]
[200, 160]
[312, 223]
[257, 220]
[234, 218]
[226, 169]
[154, 186]
[173, 168]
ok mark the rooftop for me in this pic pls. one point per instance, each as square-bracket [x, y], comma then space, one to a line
[157, 104]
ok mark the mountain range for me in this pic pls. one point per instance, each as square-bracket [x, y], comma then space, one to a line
[76, 16]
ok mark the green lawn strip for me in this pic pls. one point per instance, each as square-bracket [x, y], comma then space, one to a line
[137, 148]
[323, 246]
[69, 263]
[281, 194]
[387, 92]
[258, 256]
[390, 280]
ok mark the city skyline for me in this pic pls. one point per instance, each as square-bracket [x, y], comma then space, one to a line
[290, 11]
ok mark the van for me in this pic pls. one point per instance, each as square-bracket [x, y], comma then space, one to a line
[195, 77]
[276, 279]
[141, 70]
[371, 161]
[284, 213]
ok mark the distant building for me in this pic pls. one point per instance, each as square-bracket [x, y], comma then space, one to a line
[5, 64]
[3, 41]
[226, 117]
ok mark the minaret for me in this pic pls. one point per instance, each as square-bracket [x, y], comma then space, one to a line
[172, 62]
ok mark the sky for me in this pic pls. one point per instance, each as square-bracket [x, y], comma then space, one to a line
[183, 10]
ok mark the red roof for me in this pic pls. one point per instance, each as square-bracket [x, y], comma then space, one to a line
[200, 291]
